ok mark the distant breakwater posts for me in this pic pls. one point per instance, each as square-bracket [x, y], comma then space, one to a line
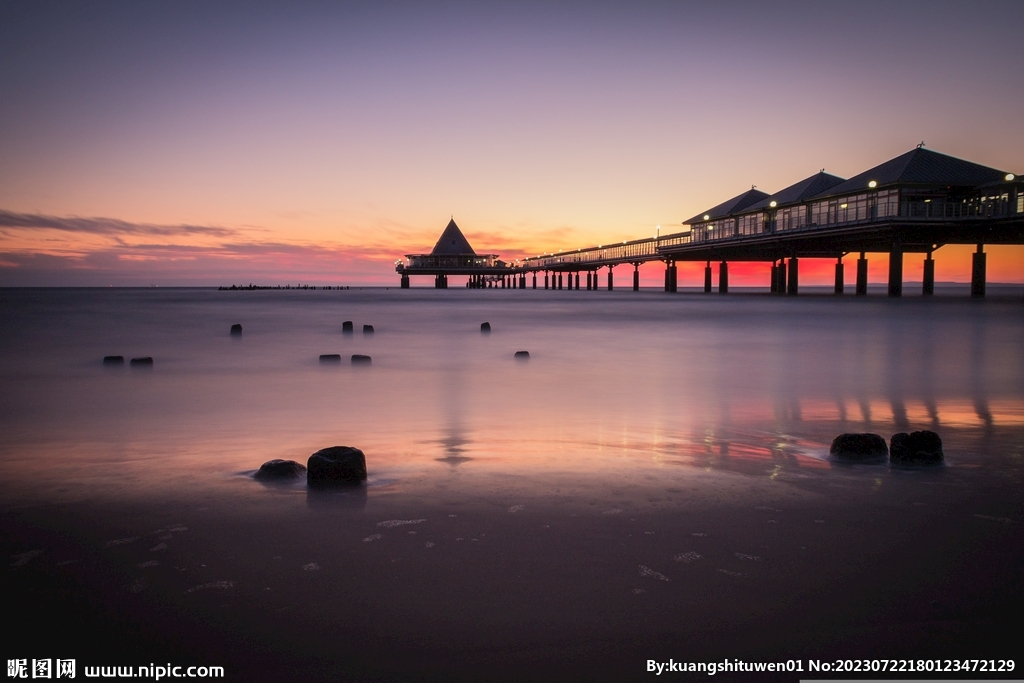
[915, 203]
[252, 287]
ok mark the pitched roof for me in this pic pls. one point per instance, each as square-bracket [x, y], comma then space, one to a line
[731, 206]
[797, 192]
[920, 166]
[452, 242]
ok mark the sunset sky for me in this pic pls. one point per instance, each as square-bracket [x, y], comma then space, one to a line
[180, 143]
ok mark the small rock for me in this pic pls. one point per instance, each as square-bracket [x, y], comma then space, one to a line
[859, 447]
[330, 357]
[485, 327]
[360, 359]
[522, 355]
[347, 326]
[367, 329]
[113, 360]
[916, 448]
[144, 361]
[336, 465]
[236, 329]
[278, 469]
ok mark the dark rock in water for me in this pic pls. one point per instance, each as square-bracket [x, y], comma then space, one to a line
[113, 360]
[859, 447]
[336, 465]
[236, 329]
[278, 469]
[522, 355]
[917, 448]
[485, 327]
[367, 329]
[347, 326]
[360, 359]
[145, 360]
[330, 357]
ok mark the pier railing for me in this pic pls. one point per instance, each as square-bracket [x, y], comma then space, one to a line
[605, 254]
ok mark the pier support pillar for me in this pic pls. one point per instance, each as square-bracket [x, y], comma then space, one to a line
[668, 272]
[636, 277]
[589, 278]
[896, 270]
[775, 278]
[577, 281]
[559, 280]
[781, 286]
[610, 287]
[978, 272]
[405, 282]
[839, 276]
[793, 286]
[545, 279]
[535, 279]
[862, 276]
[674, 271]
[707, 277]
[723, 277]
[928, 281]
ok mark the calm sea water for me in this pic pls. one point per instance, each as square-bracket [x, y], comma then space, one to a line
[616, 384]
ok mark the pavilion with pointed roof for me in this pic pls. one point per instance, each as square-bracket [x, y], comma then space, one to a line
[452, 255]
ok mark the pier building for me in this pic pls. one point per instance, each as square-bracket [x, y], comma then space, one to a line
[452, 255]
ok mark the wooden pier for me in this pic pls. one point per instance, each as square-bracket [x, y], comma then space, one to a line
[912, 204]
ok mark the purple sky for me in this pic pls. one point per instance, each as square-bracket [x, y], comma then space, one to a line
[211, 143]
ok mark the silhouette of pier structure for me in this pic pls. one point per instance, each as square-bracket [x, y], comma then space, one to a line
[453, 255]
[914, 203]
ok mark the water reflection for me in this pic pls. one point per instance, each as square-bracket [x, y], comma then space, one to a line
[337, 498]
[451, 379]
[752, 386]
[454, 444]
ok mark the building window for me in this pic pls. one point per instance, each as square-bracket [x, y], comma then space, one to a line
[750, 224]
